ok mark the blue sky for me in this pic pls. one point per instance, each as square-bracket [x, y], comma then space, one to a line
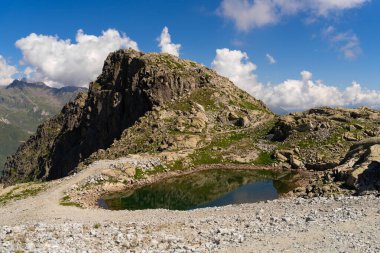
[296, 39]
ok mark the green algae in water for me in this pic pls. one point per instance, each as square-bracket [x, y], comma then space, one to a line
[203, 189]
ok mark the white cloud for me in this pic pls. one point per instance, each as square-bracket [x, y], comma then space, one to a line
[258, 13]
[270, 59]
[306, 75]
[324, 7]
[28, 71]
[248, 15]
[345, 42]
[6, 72]
[166, 45]
[292, 94]
[235, 65]
[60, 62]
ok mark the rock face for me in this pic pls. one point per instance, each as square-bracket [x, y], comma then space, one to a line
[343, 145]
[361, 167]
[130, 108]
[323, 136]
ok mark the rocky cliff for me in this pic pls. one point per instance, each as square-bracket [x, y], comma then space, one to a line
[140, 103]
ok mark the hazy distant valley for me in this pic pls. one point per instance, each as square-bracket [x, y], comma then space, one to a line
[23, 106]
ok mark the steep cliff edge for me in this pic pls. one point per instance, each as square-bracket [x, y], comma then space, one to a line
[140, 103]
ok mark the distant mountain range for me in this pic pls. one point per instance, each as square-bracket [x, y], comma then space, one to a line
[25, 105]
[278, 110]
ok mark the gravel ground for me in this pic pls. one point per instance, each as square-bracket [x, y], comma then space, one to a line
[40, 224]
[346, 224]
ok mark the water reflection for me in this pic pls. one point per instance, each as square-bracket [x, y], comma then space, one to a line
[203, 189]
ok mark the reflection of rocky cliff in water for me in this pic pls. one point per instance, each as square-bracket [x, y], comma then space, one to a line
[188, 191]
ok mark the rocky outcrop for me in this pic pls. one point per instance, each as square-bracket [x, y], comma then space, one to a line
[131, 108]
[361, 167]
[323, 136]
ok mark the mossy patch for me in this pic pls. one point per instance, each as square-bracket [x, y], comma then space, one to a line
[250, 106]
[204, 97]
[206, 156]
[66, 201]
[224, 141]
[264, 158]
[22, 192]
[95, 86]
[139, 173]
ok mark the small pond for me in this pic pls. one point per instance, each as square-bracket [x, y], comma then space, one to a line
[207, 188]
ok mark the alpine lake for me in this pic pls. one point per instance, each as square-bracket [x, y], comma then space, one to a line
[208, 188]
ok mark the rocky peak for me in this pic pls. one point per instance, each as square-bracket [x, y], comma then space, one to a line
[23, 83]
[135, 92]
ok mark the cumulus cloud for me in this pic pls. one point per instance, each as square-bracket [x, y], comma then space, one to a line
[270, 59]
[324, 7]
[258, 13]
[6, 72]
[166, 45]
[60, 62]
[235, 65]
[292, 94]
[345, 42]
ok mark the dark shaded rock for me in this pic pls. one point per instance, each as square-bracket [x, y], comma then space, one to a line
[321, 166]
[242, 122]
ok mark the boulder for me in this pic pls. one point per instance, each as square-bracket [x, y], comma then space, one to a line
[350, 136]
[296, 163]
[362, 167]
[243, 122]
[232, 116]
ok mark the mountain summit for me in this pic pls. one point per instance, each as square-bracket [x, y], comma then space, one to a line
[143, 102]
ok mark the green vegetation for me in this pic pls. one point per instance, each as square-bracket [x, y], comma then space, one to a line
[250, 106]
[202, 96]
[21, 192]
[177, 165]
[181, 105]
[205, 156]
[66, 201]
[171, 62]
[97, 225]
[139, 173]
[96, 86]
[225, 141]
[264, 158]
[157, 169]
